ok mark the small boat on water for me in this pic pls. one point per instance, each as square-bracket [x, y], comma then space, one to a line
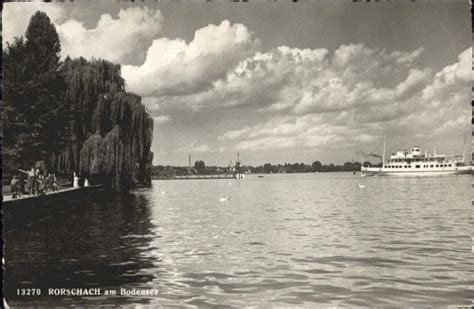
[414, 163]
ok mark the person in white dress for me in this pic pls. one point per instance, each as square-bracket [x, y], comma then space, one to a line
[86, 183]
[75, 183]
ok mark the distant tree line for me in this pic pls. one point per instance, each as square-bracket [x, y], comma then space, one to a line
[316, 166]
[201, 169]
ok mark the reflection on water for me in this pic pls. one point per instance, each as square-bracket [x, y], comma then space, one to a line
[282, 240]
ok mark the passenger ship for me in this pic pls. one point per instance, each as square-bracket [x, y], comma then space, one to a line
[413, 163]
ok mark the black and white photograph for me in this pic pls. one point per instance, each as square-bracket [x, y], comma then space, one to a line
[237, 154]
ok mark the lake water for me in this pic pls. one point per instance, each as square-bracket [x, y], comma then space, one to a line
[299, 240]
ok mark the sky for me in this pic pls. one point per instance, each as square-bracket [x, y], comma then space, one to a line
[280, 81]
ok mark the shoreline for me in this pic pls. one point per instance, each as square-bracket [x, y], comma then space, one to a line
[20, 212]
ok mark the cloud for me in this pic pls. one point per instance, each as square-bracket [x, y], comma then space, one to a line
[451, 76]
[161, 119]
[335, 107]
[305, 81]
[123, 39]
[287, 132]
[236, 134]
[359, 56]
[195, 148]
[115, 39]
[174, 67]
[16, 16]
[151, 103]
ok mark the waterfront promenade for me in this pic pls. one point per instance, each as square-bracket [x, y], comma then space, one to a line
[8, 197]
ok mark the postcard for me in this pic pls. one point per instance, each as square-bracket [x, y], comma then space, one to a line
[237, 154]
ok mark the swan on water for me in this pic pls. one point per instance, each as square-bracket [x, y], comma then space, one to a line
[224, 199]
[361, 186]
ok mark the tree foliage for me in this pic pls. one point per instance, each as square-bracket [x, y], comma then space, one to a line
[35, 114]
[200, 166]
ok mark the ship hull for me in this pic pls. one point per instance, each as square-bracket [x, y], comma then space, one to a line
[372, 171]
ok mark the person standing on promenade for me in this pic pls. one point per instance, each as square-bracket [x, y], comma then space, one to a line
[21, 184]
[31, 179]
[75, 182]
[54, 186]
[37, 181]
[15, 189]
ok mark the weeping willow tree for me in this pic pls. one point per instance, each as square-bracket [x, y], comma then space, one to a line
[85, 84]
[111, 132]
[74, 115]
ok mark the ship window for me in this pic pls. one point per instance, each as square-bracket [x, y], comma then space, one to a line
[437, 165]
[431, 165]
[450, 165]
[417, 166]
